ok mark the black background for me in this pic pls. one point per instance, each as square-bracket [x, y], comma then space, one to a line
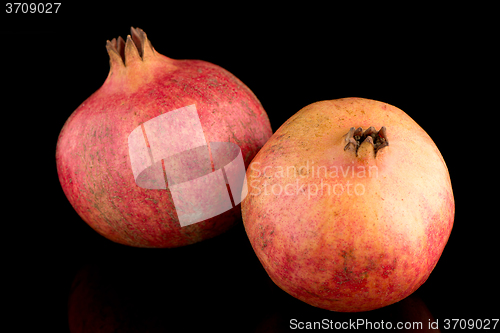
[436, 64]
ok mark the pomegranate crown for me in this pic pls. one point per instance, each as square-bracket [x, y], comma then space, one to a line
[356, 138]
[137, 48]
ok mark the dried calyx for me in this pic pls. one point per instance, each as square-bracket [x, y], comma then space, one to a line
[356, 137]
[137, 47]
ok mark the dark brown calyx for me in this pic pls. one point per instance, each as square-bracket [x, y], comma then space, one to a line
[355, 137]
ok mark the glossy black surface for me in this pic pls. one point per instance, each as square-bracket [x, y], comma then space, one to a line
[429, 64]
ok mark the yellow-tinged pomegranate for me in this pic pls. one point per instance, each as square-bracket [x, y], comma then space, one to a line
[350, 205]
[113, 153]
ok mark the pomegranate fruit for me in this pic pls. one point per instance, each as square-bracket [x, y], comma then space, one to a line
[350, 205]
[94, 154]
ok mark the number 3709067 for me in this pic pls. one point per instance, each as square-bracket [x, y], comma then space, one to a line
[25, 8]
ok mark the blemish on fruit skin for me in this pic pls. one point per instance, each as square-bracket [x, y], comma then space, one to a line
[388, 269]
[265, 235]
[151, 199]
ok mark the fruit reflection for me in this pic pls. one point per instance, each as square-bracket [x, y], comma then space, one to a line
[409, 315]
[218, 285]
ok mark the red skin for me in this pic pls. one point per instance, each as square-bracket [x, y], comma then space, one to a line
[92, 155]
[349, 253]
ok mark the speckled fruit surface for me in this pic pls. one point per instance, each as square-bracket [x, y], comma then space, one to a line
[350, 205]
[92, 153]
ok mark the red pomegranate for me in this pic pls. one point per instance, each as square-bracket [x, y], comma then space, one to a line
[98, 166]
[350, 205]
